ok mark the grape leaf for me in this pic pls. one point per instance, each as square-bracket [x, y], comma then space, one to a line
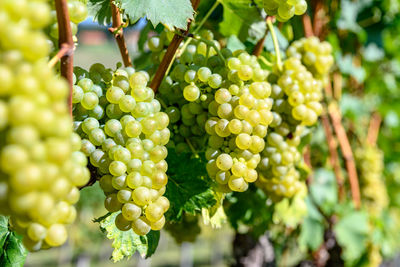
[238, 17]
[171, 13]
[188, 189]
[12, 251]
[351, 233]
[324, 189]
[126, 243]
[312, 228]
[100, 10]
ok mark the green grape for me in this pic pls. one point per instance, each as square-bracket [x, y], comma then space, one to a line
[191, 93]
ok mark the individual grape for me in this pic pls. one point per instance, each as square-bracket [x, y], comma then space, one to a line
[191, 93]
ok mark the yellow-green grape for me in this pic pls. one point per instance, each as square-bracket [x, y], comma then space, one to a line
[40, 161]
[126, 145]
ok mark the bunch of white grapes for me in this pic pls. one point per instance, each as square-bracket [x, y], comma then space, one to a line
[125, 143]
[284, 9]
[303, 91]
[240, 116]
[369, 159]
[41, 167]
[188, 118]
[277, 170]
[314, 54]
[297, 94]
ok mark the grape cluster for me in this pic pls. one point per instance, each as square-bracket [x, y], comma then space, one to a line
[285, 9]
[277, 169]
[124, 135]
[223, 107]
[303, 92]
[315, 55]
[77, 13]
[369, 159]
[189, 117]
[297, 92]
[41, 167]
[239, 118]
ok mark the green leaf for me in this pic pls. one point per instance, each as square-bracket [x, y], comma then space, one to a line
[312, 228]
[238, 17]
[171, 13]
[126, 243]
[13, 253]
[233, 43]
[100, 10]
[324, 189]
[351, 233]
[346, 66]
[188, 188]
[282, 41]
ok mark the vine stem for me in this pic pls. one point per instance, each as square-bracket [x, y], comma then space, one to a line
[65, 40]
[373, 130]
[275, 41]
[187, 42]
[345, 147]
[265, 61]
[333, 157]
[65, 50]
[307, 25]
[169, 55]
[118, 31]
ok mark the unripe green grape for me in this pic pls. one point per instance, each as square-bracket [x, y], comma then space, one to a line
[243, 141]
[131, 211]
[191, 93]
[224, 162]
[203, 74]
[117, 168]
[140, 227]
[237, 184]
[141, 196]
[121, 223]
[56, 235]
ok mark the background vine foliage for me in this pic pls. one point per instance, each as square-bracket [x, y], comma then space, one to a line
[276, 119]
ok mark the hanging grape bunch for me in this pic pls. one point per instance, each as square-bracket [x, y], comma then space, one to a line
[41, 166]
[124, 135]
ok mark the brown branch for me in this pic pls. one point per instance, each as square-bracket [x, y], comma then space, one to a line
[345, 147]
[373, 129]
[307, 25]
[333, 155]
[169, 55]
[64, 51]
[319, 15]
[65, 38]
[118, 32]
[337, 85]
